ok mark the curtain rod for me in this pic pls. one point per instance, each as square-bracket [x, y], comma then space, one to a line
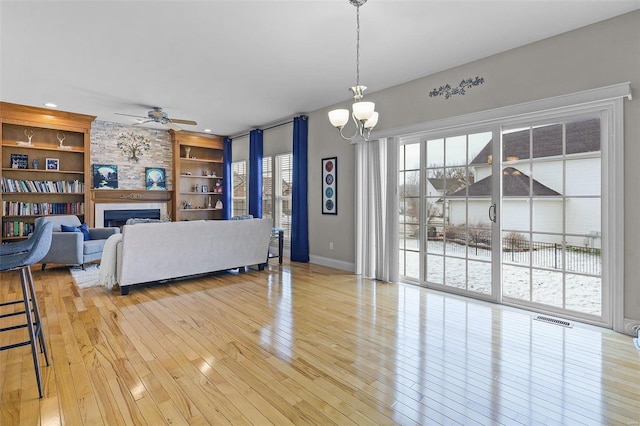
[266, 128]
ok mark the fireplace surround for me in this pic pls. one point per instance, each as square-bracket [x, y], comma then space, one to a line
[122, 199]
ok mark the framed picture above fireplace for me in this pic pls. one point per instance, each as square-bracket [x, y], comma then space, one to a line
[155, 178]
[105, 176]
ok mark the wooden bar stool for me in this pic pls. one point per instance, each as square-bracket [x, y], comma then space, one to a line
[19, 257]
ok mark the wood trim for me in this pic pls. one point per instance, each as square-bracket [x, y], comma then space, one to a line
[45, 117]
[129, 195]
[206, 140]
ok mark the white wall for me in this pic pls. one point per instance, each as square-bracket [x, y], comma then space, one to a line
[595, 56]
[240, 149]
[277, 140]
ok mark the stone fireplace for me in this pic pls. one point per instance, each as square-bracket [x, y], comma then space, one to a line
[137, 203]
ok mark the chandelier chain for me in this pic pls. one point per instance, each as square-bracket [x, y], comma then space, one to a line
[358, 45]
[364, 115]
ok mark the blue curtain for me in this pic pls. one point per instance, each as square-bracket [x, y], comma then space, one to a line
[255, 173]
[299, 207]
[227, 191]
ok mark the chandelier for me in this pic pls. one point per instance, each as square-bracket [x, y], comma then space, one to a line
[364, 115]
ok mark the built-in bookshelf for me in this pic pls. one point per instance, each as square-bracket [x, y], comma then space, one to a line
[197, 175]
[45, 166]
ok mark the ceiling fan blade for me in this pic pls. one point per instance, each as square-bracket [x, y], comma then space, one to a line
[142, 122]
[172, 126]
[129, 115]
[189, 122]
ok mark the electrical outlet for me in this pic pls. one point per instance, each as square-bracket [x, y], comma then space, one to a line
[331, 245]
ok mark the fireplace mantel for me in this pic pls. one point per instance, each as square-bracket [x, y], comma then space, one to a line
[130, 195]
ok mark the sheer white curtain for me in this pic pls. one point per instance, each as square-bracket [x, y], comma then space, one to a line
[377, 209]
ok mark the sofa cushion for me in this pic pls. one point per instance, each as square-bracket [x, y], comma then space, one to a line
[135, 220]
[242, 217]
[58, 220]
[84, 229]
[93, 246]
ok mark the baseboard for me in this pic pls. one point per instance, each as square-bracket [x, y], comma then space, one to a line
[631, 327]
[332, 263]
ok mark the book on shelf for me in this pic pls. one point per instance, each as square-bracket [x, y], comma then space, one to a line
[16, 228]
[55, 187]
[16, 208]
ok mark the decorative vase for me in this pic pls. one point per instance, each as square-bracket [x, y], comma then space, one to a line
[187, 151]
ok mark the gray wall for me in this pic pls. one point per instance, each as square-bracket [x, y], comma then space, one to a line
[595, 56]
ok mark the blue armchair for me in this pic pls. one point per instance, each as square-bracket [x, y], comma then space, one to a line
[71, 248]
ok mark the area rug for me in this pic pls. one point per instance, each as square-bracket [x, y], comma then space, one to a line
[87, 277]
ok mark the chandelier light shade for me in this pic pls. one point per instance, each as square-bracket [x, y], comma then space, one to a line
[363, 113]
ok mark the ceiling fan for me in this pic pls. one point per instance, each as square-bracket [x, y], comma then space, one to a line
[157, 115]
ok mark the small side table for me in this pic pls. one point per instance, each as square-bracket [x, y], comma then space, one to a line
[279, 234]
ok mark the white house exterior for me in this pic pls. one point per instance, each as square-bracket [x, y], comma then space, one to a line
[535, 189]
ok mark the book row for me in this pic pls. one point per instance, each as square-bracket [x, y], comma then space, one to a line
[15, 208]
[16, 229]
[47, 186]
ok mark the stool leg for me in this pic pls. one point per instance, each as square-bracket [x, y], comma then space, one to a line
[36, 311]
[32, 334]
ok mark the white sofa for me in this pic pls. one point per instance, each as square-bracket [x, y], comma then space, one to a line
[151, 252]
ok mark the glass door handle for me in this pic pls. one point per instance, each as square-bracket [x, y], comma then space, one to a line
[492, 213]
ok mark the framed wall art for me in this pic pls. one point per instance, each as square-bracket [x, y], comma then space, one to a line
[330, 185]
[52, 164]
[19, 161]
[155, 178]
[105, 176]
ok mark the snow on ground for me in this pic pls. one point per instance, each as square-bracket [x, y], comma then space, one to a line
[582, 292]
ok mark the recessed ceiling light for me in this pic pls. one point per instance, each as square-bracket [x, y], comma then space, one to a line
[207, 130]
[51, 105]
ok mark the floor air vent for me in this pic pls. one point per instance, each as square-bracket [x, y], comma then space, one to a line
[555, 321]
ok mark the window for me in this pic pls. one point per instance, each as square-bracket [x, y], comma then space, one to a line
[239, 185]
[277, 186]
[283, 188]
[267, 187]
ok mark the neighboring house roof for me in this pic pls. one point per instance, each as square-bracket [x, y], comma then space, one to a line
[514, 184]
[445, 185]
[582, 136]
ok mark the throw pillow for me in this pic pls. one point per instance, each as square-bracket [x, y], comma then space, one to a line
[84, 229]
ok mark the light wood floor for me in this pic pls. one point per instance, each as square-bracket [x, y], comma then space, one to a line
[304, 344]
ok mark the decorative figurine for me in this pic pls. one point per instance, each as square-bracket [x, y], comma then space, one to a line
[29, 134]
[61, 140]
[34, 163]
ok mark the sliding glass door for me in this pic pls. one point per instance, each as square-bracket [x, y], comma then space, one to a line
[551, 221]
[510, 214]
[445, 201]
